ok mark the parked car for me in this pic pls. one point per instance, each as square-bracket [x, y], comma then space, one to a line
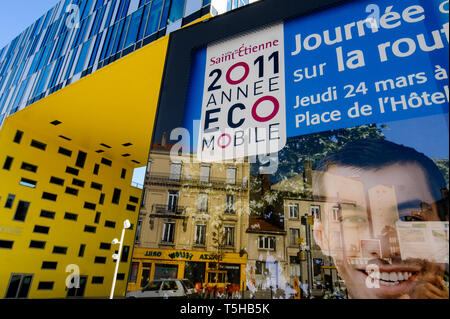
[166, 288]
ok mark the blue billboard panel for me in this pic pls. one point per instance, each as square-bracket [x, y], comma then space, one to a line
[355, 64]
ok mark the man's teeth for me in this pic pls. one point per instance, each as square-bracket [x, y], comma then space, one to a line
[393, 278]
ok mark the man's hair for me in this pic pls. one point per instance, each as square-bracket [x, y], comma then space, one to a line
[378, 153]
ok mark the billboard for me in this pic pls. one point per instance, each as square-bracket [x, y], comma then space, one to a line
[356, 64]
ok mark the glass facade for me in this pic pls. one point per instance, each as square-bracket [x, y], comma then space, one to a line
[78, 37]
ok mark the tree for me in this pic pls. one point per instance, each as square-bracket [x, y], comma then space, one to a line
[442, 164]
[268, 203]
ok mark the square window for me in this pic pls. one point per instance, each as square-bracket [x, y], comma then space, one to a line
[49, 265]
[81, 250]
[47, 214]
[100, 260]
[29, 167]
[18, 137]
[41, 229]
[70, 216]
[60, 250]
[37, 244]
[65, 151]
[39, 145]
[8, 163]
[110, 224]
[6, 244]
[21, 211]
[27, 182]
[97, 280]
[116, 196]
[10, 201]
[56, 181]
[49, 196]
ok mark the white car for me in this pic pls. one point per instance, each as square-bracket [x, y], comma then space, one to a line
[165, 288]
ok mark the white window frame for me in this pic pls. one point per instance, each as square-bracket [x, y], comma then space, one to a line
[174, 175]
[205, 178]
[200, 234]
[168, 231]
[229, 235]
[335, 214]
[314, 209]
[202, 204]
[267, 242]
[171, 197]
[292, 240]
[292, 207]
[229, 207]
[231, 180]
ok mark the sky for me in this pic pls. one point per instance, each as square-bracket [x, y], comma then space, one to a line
[17, 15]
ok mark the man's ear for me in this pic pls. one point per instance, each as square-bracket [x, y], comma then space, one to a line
[320, 237]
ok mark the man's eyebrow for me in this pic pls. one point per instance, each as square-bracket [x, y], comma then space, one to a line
[409, 204]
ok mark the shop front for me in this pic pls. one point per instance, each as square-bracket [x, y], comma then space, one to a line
[202, 268]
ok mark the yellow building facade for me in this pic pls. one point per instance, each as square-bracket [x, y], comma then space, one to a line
[65, 180]
[61, 206]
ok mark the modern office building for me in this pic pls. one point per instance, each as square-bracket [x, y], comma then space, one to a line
[67, 158]
[78, 37]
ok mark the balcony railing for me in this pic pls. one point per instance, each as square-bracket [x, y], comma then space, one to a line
[168, 211]
[194, 181]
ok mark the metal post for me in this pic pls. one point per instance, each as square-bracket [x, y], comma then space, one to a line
[126, 224]
[308, 257]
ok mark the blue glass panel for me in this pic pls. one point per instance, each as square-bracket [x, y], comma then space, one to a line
[106, 43]
[125, 8]
[229, 5]
[97, 22]
[20, 93]
[35, 62]
[47, 17]
[60, 46]
[55, 72]
[42, 81]
[118, 37]
[87, 9]
[134, 27]
[99, 4]
[72, 58]
[19, 72]
[206, 2]
[176, 10]
[2, 100]
[111, 41]
[143, 22]
[82, 57]
[165, 14]
[119, 10]
[94, 51]
[110, 13]
[153, 19]
[77, 35]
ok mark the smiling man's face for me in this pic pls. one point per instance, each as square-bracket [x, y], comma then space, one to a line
[371, 204]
